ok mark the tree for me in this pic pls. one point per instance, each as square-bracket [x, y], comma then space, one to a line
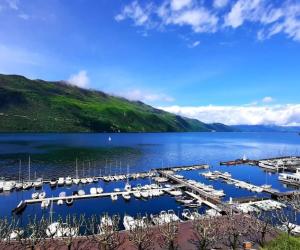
[205, 233]
[105, 231]
[35, 232]
[70, 228]
[141, 234]
[262, 224]
[168, 234]
[233, 227]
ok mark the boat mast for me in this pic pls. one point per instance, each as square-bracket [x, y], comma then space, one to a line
[29, 169]
[19, 171]
[76, 169]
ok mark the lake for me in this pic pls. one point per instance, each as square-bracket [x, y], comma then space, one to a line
[54, 155]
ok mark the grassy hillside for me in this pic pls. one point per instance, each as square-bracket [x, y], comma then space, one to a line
[41, 106]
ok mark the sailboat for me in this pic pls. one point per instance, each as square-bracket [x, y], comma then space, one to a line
[27, 185]
[127, 185]
[19, 184]
[76, 180]
[266, 186]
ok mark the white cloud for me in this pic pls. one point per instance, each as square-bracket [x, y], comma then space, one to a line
[24, 16]
[220, 3]
[134, 11]
[270, 18]
[194, 44]
[287, 115]
[267, 99]
[80, 79]
[180, 4]
[138, 95]
[13, 4]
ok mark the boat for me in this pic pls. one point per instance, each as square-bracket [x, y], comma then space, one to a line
[9, 186]
[114, 197]
[38, 183]
[293, 179]
[144, 194]
[27, 185]
[175, 192]
[68, 181]
[95, 180]
[137, 194]
[53, 183]
[60, 202]
[127, 187]
[20, 208]
[89, 180]
[128, 222]
[18, 186]
[69, 201]
[61, 181]
[99, 190]
[93, 190]
[42, 195]
[105, 223]
[81, 192]
[76, 180]
[212, 213]
[126, 196]
[186, 214]
[83, 180]
[59, 230]
[45, 203]
[16, 234]
[117, 190]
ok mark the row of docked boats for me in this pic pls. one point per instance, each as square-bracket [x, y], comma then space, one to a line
[127, 176]
[237, 183]
[189, 168]
[8, 186]
[263, 205]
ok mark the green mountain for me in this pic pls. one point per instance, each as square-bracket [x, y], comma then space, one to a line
[42, 106]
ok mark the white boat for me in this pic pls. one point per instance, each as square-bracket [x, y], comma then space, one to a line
[117, 189]
[68, 181]
[128, 222]
[175, 192]
[106, 223]
[19, 185]
[145, 194]
[38, 183]
[76, 181]
[114, 197]
[293, 179]
[172, 216]
[69, 201]
[126, 196]
[27, 185]
[89, 180]
[137, 194]
[53, 183]
[60, 202]
[58, 230]
[61, 181]
[99, 190]
[35, 195]
[81, 192]
[9, 185]
[42, 195]
[212, 213]
[45, 203]
[188, 215]
[83, 180]
[93, 190]
[127, 187]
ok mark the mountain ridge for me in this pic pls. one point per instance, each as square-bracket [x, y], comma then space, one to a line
[56, 106]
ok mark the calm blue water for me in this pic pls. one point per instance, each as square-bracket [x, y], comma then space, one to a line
[146, 151]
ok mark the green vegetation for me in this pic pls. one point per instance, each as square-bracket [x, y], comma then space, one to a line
[283, 242]
[41, 106]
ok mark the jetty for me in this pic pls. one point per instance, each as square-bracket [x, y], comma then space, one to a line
[204, 195]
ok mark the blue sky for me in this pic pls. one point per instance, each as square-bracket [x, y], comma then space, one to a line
[202, 59]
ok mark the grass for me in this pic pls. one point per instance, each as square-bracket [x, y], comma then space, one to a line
[40, 106]
[283, 242]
